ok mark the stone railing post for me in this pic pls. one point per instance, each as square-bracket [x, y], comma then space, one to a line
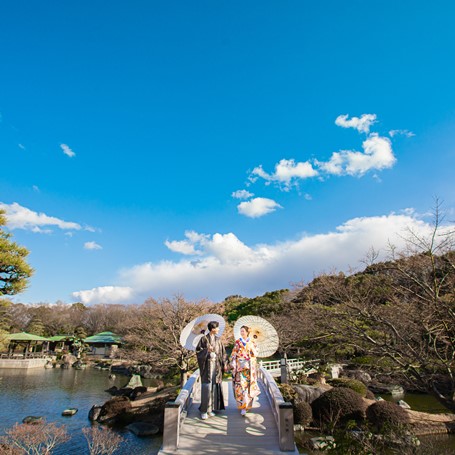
[171, 428]
[284, 370]
[286, 427]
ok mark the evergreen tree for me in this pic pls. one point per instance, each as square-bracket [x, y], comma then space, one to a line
[14, 270]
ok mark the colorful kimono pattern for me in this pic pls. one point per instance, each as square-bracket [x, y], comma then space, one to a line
[244, 380]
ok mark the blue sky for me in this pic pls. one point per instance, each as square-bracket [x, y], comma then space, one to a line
[206, 148]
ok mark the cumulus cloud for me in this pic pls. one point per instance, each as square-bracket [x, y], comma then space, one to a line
[377, 154]
[105, 294]
[258, 207]
[229, 266]
[67, 151]
[362, 124]
[242, 194]
[19, 217]
[406, 133]
[287, 172]
[92, 246]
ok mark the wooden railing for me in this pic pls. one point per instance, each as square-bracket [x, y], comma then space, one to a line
[282, 411]
[175, 413]
[28, 355]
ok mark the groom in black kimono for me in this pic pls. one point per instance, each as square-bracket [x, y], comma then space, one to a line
[212, 361]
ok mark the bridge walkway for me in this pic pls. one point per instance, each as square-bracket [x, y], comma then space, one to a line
[228, 432]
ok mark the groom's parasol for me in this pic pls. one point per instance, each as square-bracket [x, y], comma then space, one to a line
[197, 328]
[261, 331]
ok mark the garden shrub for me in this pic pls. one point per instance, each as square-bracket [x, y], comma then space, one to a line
[369, 395]
[387, 415]
[338, 406]
[352, 384]
[303, 414]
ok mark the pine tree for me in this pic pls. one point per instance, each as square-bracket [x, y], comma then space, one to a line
[14, 270]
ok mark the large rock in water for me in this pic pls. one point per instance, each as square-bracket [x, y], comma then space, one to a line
[143, 428]
[94, 413]
[115, 410]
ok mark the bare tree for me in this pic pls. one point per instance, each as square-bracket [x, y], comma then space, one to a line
[153, 332]
[101, 440]
[36, 439]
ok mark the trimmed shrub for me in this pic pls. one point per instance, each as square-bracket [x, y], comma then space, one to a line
[352, 384]
[303, 414]
[387, 415]
[369, 395]
[337, 406]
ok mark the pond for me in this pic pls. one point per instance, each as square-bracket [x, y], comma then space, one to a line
[41, 392]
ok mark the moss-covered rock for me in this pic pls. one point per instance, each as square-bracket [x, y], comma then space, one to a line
[353, 384]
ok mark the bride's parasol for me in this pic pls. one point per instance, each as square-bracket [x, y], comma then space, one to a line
[197, 328]
[261, 331]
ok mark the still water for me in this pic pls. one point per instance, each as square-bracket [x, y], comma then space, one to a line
[41, 392]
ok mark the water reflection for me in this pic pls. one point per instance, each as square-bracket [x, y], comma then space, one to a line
[47, 393]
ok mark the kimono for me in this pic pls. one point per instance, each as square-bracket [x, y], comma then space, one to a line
[211, 369]
[244, 372]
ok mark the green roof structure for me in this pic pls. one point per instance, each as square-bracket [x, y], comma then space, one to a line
[62, 338]
[24, 336]
[103, 338]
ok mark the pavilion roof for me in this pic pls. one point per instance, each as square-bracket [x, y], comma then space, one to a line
[104, 337]
[24, 336]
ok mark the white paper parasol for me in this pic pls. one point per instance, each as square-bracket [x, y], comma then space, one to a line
[197, 328]
[261, 331]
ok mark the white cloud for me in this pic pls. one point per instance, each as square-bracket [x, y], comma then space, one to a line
[362, 124]
[377, 154]
[20, 217]
[286, 172]
[229, 266]
[21, 146]
[242, 194]
[406, 133]
[183, 247]
[36, 188]
[105, 294]
[257, 207]
[67, 151]
[92, 246]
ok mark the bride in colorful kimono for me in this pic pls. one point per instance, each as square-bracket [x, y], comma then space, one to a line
[244, 371]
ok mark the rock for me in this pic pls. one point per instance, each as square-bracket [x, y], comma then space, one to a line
[69, 412]
[403, 404]
[322, 443]
[135, 381]
[69, 359]
[112, 390]
[142, 429]
[114, 410]
[335, 370]
[137, 392]
[360, 375]
[394, 389]
[308, 393]
[33, 420]
[94, 413]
